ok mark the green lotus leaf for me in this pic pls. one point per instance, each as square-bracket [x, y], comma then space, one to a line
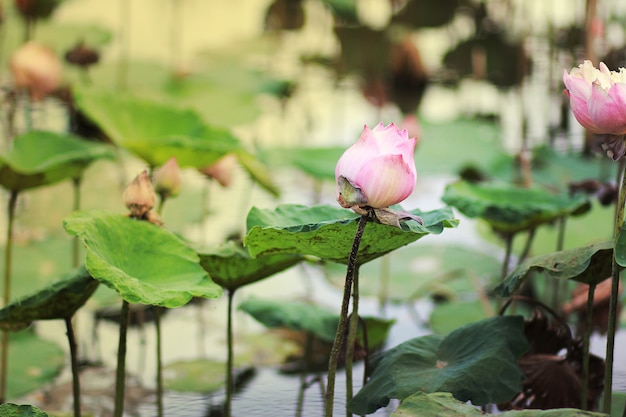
[156, 132]
[232, 267]
[327, 232]
[476, 363]
[34, 363]
[321, 322]
[509, 209]
[142, 262]
[39, 158]
[59, 300]
[589, 264]
[448, 316]
[421, 270]
[620, 248]
[443, 404]
[15, 410]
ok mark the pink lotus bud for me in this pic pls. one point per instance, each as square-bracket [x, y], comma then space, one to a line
[139, 196]
[222, 170]
[35, 67]
[167, 179]
[598, 97]
[377, 171]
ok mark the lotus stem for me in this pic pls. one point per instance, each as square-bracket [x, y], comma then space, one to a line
[329, 396]
[229, 362]
[556, 283]
[8, 258]
[159, 361]
[120, 374]
[587, 335]
[529, 243]
[610, 336]
[76, 242]
[508, 241]
[74, 365]
[354, 326]
[306, 357]
[385, 278]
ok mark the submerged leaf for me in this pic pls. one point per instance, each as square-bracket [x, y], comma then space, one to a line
[509, 209]
[59, 300]
[589, 264]
[328, 232]
[142, 262]
[39, 158]
[232, 267]
[466, 363]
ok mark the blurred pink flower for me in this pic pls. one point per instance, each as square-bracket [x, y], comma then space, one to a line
[167, 179]
[35, 67]
[598, 100]
[378, 170]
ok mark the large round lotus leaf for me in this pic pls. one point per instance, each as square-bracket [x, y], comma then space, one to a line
[321, 322]
[328, 232]
[510, 209]
[15, 410]
[232, 267]
[142, 262]
[421, 270]
[589, 264]
[199, 375]
[156, 132]
[448, 316]
[59, 300]
[443, 404]
[34, 363]
[40, 158]
[476, 363]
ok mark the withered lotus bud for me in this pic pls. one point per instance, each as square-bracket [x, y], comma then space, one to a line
[35, 67]
[139, 196]
[82, 56]
[167, 179]
[36, 9]
[222, 170]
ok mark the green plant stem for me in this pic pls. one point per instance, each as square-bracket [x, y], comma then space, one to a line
[8, 258]
[74, 365]
[556, 283]
[329, 396]
[529, 243]
[354, 326]
[76, 242]
[229, 362]
[610, 336]
[586, 336]
[508, 241]
[120, 374]
[159, 364]
[385, 279]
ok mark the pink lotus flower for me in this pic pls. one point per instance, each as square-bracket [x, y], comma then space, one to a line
[35, 67]
[378, 170]
[598, 101]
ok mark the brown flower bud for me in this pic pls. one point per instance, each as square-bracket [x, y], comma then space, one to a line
[82, 56]
[222, 170]
[167, 179]
[139, 196]
[36, 68]
[36, 9]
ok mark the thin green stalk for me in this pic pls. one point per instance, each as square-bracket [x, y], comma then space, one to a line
[74, 365]
[159, 354]
[76, 242]
[385, 278]
[610, 337]
[527, 246]
[354, 326]
[306, 358]
[230, 385]
[587, 335]
[8, 259]
[120, 374]
[556, 283]
[508, 241]
[329, 396]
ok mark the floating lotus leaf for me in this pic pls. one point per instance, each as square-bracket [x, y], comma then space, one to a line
[59, 300]
[142, 262]
[34, 363]
[15, 410]
[39, 158]
[198, 375]
[321, 322]
[156, 132]
[443, 404]
[589, 264]
[476, 363]
[510, 209]
[328, 232]
[232, 267]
